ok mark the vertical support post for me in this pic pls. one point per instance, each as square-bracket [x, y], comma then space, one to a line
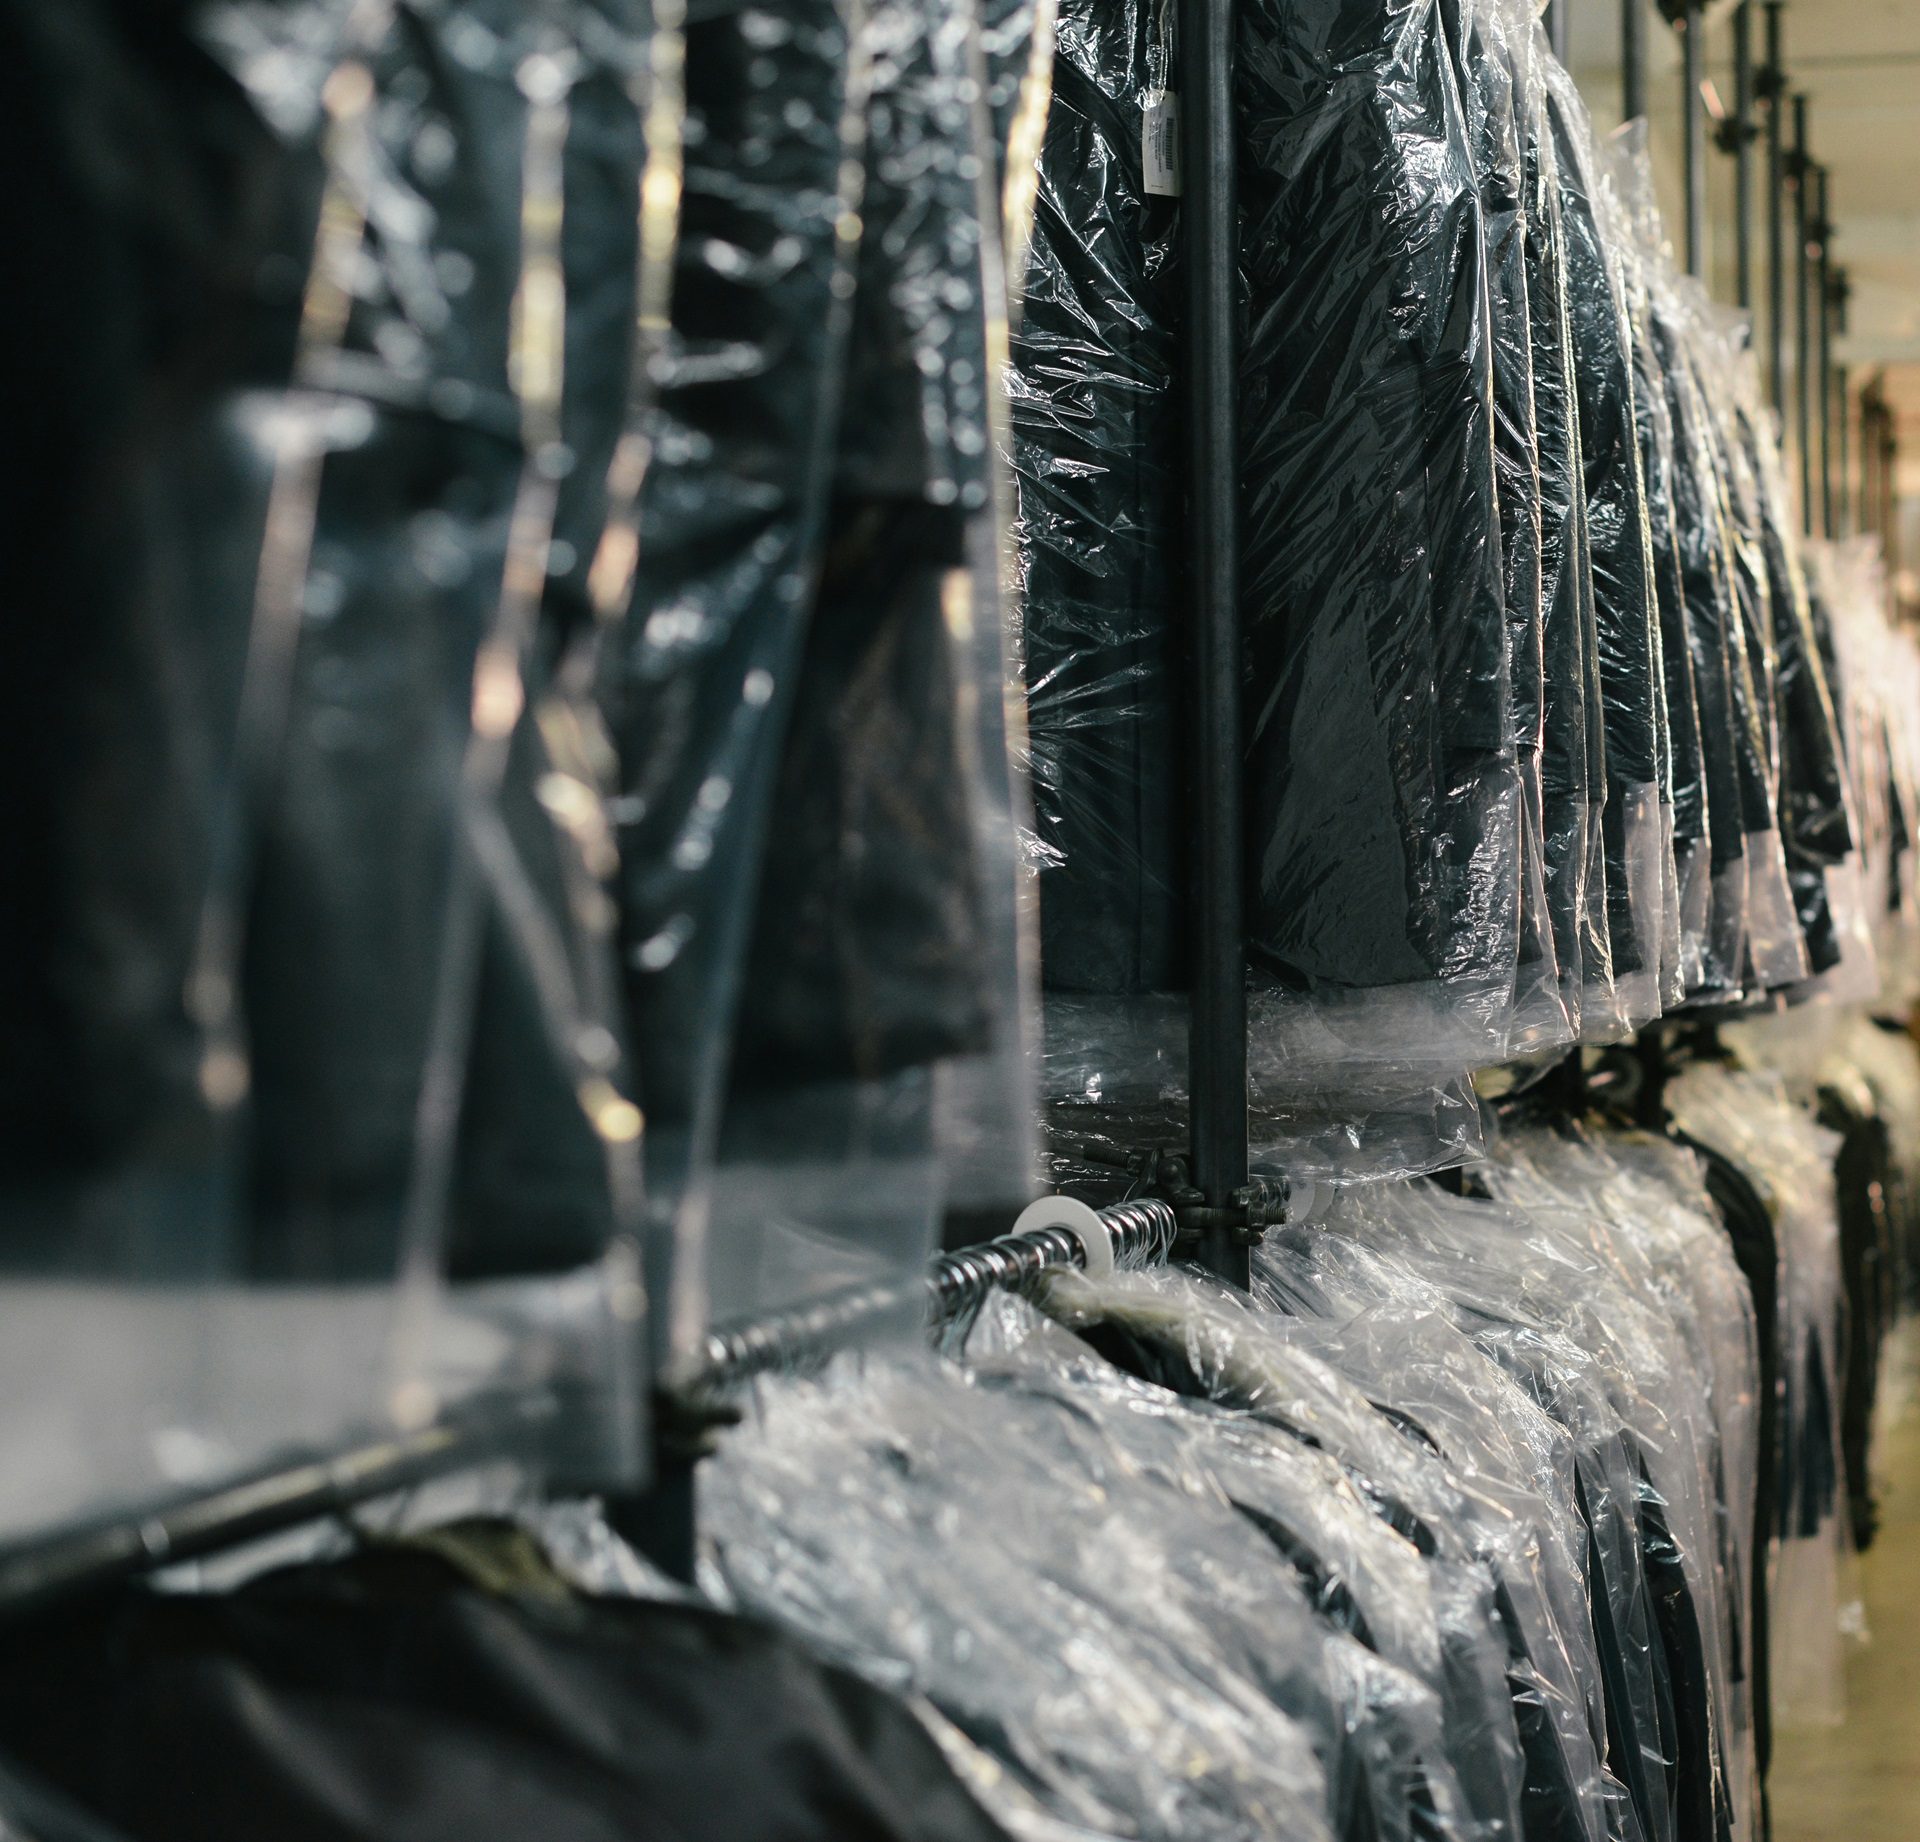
[1743, 131]
[1773, 88]
[1823, 354]
[1870, 458]
[1693, 124]
[1889, 492]
[1557, 26]
[1217, 1026]
[1843, 410]
[1633, 59]
[1843, 442]
[1802, 174]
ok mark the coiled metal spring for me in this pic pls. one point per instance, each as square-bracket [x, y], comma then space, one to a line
[1143, 1234]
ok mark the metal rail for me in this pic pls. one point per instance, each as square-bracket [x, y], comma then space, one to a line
[1217, 1026]
[1142, 1233]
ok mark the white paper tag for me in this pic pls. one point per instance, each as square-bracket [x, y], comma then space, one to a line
[1160, 143]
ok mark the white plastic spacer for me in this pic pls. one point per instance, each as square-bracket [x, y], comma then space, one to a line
[1080, 1221]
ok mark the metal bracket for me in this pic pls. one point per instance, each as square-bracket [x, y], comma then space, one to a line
[1254, 1207]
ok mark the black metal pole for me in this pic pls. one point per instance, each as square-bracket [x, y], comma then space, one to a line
[1823, 292]
[1802, 175]
[1843, 441]
[1866, 460]
[1865, 500]
[1889, 492]
[1773, 90]
[1217, 1029]
[1556, 22]
[1693, 124]
[1843, 407]
[1743, 154]
[1633, 59]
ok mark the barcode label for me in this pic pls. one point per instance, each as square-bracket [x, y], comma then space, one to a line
[1160, 143]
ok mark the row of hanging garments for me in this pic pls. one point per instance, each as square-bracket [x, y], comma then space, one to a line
[1554, 724]
[531, 832]
[1509, 1510]
[590, 566]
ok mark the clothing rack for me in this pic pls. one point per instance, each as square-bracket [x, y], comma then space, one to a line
[312, 1486]
[307, 1487]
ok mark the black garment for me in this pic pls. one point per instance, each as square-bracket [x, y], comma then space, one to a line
[869, 944]
[1750, 1229]
[1684, 775]
[1412, 1493]
[289, 890]
[1620, 552]
[1573, 770]
[395, 887]
[134, 244]
[1095, 457]
[1816, 829]
[1861, 1182]
[1381, 784]
[1495, 133]
[29, 1812]
[800, 898]
[1708, 590]
[698, 683]
[385, 1697]
[867, 949]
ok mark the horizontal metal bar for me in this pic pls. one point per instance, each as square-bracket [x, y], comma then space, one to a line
[306, 1487]
[1142, 1233]
[310, 1486]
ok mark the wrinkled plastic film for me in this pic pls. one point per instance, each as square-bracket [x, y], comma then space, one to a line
[1494, 1273]
[1573, 784]
[1631, 688]
[889, 932]
[1094, 452]
[990, 1109]
[1367, 443]
[1775, 945]
[1684, 785]
[398, 967]
[1640, 1206]
[1789, 1159]
[1496, 90]
[700, 674]
[1435, 1464]
[1012, 1534]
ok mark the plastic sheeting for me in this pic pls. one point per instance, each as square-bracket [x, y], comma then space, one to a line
[1645, 254]
[820, 896]
[1546, 1289]
[1453, 1457]
[932, 1532]
[360, 1066]
[1382, 789]
[1790, 1161]
[1631, 687]
[1573, 766]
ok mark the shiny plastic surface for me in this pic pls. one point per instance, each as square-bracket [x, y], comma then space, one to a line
[1789, 1160]
[391, 1156]
[1382, 787]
